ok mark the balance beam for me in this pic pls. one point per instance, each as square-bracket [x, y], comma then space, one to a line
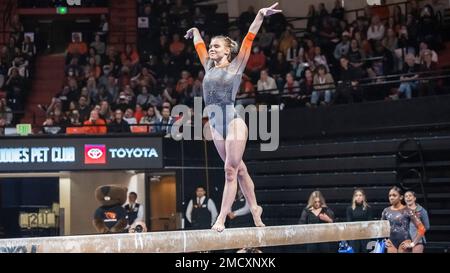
[199, 240]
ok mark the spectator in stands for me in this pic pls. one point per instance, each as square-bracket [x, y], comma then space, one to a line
[267, 83]
[106, 72]
[74, 70]
[124, 76]
[65, 98]
[391, 41]
[77, 48]
[422, 214]
[359, 210]
[28, 48]
[169, 95]
[118, 124]
[256, 62]
[92, 69]
[143, 98]
[427, 86]
[293, 52]
[129, 116]
[306, 88]
[113, 60]
[279, 68]
[6, 55]
[112, 87]
[184, 87]
[138, 113]
[104, 25]
[300, 65]
[145, 78]
[424, 48]
[347, 89]
[104, 95]
[129, 93]
[15, 81]
[54, 124]
[20, 63]
[83, 108]
[320, 59]
[152, 117]
[343, 47]
[55, 105]
[286, 40]
[74, 118]
[5, 112]
[317, 212]
[201, 211]
[165, 122]
[12, 45]
[93, 54]
[427, 27]
[364, 44]
[338, 11]
[177, 46]
[95, 125]
[400, 217]
[323, 86]
[265, 40]
[291, 92]
[383, 63]
[130, 56]
[376, 29]
[91, 86]
[98, 45]
[17, 28]
[408, 75]
[355, 54]
[105, 111]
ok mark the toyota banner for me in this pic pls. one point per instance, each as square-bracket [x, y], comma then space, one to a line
[78, 154]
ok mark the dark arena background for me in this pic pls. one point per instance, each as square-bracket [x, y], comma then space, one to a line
[360, 96]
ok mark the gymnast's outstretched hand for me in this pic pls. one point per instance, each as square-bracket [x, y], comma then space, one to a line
[190, 33]
[270, 10]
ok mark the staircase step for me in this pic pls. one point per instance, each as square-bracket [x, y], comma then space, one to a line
[47, 82]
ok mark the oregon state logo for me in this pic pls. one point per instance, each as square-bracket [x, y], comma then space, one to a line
[94, 154]
[110, 215]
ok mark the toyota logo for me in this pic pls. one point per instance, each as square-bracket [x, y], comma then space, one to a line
[95, 153]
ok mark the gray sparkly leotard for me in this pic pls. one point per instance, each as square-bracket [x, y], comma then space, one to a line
[221, 85]
[400, 221]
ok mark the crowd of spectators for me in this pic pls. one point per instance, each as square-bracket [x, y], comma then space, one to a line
[322, 66]
[16, 72]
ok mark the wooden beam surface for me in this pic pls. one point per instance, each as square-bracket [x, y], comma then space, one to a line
[199, 240]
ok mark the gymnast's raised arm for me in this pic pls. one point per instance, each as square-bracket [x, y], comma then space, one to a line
[244, 52]
[200, 46]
